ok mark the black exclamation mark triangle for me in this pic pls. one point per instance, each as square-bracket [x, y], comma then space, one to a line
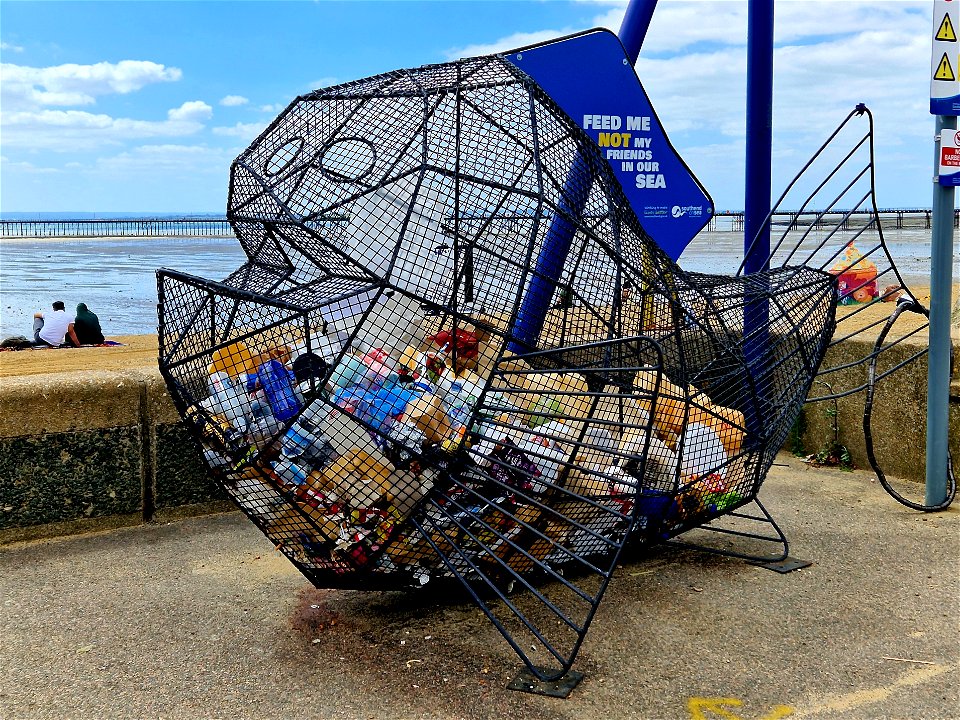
[946, 33]
[944, 70]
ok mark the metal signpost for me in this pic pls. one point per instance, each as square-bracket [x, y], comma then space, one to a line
[591, 76]
[945, 105]
[758, 183]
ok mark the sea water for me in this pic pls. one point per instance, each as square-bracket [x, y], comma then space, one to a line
[116, 277]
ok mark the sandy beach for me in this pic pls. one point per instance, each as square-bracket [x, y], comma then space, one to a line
[140, 351]
[137, 351]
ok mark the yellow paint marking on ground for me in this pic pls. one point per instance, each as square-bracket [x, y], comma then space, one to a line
[700, 706]
[704, 708]
[860, 698]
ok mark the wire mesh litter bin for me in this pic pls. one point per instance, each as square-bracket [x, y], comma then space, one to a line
[373, 391]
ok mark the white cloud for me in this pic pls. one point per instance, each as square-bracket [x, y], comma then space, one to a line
[10, 48]
[25, 88]
[191, 111]
[168, 159]
[829, 56]
[274, 108]
[510, 42]
[24, 167]
[679, 24]
[244, 131]
[814, 83]
[74, 130]
[233, 101]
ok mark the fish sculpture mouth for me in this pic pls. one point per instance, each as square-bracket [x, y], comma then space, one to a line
[360, 389]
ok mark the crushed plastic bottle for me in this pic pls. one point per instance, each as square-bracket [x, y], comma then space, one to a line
[226, 400]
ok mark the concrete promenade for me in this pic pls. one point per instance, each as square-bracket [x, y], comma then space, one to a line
[201, 618]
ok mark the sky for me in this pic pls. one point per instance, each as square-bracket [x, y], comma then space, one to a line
[132, 106]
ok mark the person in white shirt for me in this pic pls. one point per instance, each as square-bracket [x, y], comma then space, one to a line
[53, 328]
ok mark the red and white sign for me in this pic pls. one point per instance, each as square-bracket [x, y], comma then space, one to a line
[949, 157]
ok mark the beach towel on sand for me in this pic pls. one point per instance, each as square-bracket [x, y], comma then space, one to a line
[19, 342]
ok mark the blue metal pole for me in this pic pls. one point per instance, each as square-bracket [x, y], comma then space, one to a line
[757, 191]
[759, 132]
[549, 265]
[634, 27]
[938, 369]
[576, 190]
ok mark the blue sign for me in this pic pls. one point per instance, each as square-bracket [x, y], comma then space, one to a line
[945, 106]
[591, 78]
[952, 180]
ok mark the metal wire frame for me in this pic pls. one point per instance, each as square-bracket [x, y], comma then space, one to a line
[392, 226]
[857, 189]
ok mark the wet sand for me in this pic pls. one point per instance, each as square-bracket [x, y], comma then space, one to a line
[115, 277]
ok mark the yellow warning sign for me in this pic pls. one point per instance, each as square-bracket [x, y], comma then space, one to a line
[946, 33]
[944, 71]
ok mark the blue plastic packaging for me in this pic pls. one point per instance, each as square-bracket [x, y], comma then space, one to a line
[276, 383]
[377, 407]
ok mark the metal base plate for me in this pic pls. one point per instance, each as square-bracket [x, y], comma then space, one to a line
[788, 564]
[526, 681]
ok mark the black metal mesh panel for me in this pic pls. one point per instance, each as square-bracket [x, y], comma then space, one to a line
[376, 391]
[827, 218]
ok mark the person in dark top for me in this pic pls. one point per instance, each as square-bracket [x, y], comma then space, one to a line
[87, 326]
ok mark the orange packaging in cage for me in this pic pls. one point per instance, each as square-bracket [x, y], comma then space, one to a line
[357, 478]
[587, 476]
[730, 427]
[726, 422]
[293, 523]
[234, 359]
[414, 549]
[669, 402]
[280, 353]
[518, 539]
[856, 276]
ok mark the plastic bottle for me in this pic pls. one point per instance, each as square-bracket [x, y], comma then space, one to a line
[289, 473]
[305, 445]
[348, 372]
[227, 401]
[261, 430]
[275, 380]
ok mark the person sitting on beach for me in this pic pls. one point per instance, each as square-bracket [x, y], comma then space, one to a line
[87, 326]
[52, 329]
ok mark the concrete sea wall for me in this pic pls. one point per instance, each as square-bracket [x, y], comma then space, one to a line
[899, 417]
[82, 451]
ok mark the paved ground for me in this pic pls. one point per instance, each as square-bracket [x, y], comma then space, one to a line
[202, 619]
